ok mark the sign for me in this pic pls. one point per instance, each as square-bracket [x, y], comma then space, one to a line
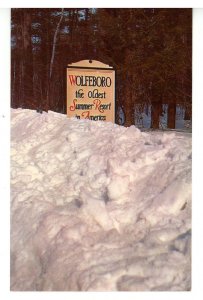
[91, 91]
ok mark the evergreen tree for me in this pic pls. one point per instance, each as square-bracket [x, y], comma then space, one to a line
[150, 49]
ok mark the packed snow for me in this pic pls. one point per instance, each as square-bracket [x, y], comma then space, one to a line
[98, 207]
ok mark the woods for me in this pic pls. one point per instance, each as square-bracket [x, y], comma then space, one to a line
[150, 49]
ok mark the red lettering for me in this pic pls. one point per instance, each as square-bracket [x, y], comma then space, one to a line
[72, 107]
[72, 79]
[86, 114]
[97, 103]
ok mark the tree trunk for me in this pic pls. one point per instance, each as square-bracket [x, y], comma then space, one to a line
[54, 43]
[52, 58]
[27, 63]
[129, 105]
[155, 114]
[171, 115]
[187, 113]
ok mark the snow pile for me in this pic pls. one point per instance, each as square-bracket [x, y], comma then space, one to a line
[98, 207]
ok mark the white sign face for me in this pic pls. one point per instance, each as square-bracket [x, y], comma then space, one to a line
[91, 91]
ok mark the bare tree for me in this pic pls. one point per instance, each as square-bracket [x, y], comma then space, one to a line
[54, 43]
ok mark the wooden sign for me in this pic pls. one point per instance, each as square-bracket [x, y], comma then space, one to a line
[91, 91]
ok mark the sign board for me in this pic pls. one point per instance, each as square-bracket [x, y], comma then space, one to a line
[91, 91]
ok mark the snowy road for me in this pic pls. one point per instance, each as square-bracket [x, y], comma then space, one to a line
[98, 207]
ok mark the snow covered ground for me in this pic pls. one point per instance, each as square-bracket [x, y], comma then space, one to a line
[98, 207]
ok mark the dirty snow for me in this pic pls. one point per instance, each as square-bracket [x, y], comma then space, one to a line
[98, 207]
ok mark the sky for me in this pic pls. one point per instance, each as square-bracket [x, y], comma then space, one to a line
[197, 131]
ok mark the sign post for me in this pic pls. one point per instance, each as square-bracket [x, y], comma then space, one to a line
[91, 91]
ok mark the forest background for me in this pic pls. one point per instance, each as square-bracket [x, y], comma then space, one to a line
[150, 49]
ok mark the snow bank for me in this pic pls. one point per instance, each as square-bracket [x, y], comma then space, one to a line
[98, 207]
